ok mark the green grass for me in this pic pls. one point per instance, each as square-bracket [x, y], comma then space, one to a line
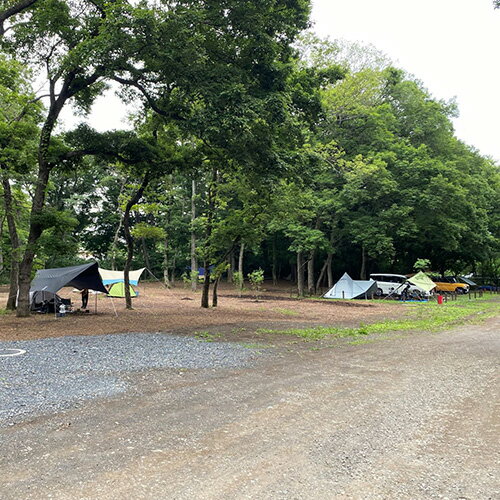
[3, 311]
[287, 312]
[427, 317]
[207, 337]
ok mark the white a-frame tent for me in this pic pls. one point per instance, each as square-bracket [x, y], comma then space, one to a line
[347, 288]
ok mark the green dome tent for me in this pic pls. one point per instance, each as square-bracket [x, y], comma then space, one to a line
[117, 290]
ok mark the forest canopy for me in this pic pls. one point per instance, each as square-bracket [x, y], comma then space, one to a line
[253, 145]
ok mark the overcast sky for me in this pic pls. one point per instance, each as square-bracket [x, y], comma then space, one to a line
[451, 45]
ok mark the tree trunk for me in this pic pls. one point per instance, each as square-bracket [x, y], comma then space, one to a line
[129, 239]
[230, 269]
[114, 246]
[1, 249]
[240, 268]
[214, 293]
[14, 242]
[206, 286]
[172, 275]
[310, 273]
[194, 260]
[36, 228]
[329, 270]
[208, 258]
[362, 274]
[300, 274]
[166, 281]
[275, 262]
[322, 274]
[145, 253]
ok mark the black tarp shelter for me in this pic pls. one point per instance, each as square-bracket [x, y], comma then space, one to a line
[84, 276]
[81, 277]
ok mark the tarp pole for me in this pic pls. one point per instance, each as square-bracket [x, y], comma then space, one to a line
[159, 281]
[114, 308]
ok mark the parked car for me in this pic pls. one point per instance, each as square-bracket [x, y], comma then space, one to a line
[394, 284]
[450, 284]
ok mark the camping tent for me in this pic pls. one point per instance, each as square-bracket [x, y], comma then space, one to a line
[50, 281]
[118, 290]
[109, 277]
[422, 281]
[347, 288]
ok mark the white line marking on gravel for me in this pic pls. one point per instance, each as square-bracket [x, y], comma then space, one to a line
[17, 352]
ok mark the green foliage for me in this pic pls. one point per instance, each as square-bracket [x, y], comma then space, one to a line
[143, 230]
[295, 144]
[256, 278]
[422, 264]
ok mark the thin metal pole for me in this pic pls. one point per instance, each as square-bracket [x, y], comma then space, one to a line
[113, 302]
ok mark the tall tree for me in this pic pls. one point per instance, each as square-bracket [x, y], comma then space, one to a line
[19, 116]
[79, 45]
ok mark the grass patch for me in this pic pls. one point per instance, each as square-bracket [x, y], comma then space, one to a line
[207, 337]
[287, 312]
[425, 316]
[3, 311]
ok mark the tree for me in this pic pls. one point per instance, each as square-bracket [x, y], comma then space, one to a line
[221, 73]
[10, 9]
[19, 117]
[80, 45]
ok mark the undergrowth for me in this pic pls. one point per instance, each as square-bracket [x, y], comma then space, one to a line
[427, 317]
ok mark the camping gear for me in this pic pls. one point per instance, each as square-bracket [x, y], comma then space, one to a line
[117, 290]
[423, 282]
[347, 288]
[45, 302]
[109, 277]
[50, 281]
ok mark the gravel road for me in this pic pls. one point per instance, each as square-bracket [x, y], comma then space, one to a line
[413, 417]
[50, 375]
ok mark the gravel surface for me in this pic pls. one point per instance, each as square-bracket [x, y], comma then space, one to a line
[55, 374]
[407, 417]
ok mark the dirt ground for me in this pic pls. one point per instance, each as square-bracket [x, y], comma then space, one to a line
[411, 417]
[178, 310]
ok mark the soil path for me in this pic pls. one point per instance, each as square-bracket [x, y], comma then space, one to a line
[413, 417]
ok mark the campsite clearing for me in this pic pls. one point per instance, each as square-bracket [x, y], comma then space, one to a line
[178, 310]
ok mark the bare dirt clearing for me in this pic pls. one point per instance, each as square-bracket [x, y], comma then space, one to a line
[160, 310]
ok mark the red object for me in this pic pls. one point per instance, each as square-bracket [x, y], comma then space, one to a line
[440, 299]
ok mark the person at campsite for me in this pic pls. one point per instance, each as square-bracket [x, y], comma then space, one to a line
[85, 298]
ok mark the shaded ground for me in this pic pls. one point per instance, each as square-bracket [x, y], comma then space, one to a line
[159, 309]
[413, 417]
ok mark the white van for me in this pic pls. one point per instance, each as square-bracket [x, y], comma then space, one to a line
[393, 284]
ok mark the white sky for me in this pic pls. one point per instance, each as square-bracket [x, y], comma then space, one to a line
[451, 45]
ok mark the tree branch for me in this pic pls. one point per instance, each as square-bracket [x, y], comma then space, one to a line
[17, 8]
